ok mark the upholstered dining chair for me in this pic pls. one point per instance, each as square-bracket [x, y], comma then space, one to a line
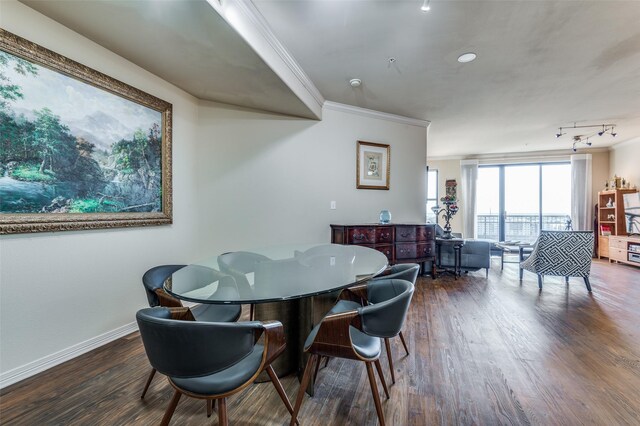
[372, 293]
[238, 264]
[355, 334]
[561, 253]
[153, 281]
[208, 360]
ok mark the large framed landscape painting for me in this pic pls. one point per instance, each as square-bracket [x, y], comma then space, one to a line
[78, 149]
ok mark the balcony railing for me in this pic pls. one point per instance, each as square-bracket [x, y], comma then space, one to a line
[519, 227]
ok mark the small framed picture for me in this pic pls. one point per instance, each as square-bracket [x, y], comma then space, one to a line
[373, 165]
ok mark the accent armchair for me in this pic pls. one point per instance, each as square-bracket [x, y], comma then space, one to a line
[561, 253]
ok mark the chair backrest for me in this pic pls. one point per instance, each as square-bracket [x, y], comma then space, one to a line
[402, 271]
[154, 278]
[563, 253]
[238, 264]
[386, 317]
[190, 348]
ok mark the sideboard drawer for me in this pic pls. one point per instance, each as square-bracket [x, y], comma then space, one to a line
[361, 235]
[425, 233]
[387, 250]
[616, 242]
[406, 251]
[384, 235]
[617, 254]
[425, 250]
[405, 233]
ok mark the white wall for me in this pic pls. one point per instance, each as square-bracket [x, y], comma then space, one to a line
[624, 161]
[241, 179]
[267, 179]
[59, 289]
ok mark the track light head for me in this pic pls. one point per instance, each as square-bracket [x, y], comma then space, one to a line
[588, 143]
[614, 134]
[558, 135]
[601, 133]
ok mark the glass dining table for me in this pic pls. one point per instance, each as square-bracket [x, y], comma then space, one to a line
[294, 284]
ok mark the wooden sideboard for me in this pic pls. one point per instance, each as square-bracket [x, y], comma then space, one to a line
[401, 243]
[624, 249]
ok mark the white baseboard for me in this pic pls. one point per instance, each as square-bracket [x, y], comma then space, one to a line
[32, 368]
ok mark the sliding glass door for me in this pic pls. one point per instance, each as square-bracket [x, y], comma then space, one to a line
[516, 201]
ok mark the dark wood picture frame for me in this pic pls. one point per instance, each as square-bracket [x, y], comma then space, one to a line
[379, 165]
[11, 223]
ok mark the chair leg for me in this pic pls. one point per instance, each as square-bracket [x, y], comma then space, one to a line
[251, 312]
[146, 386]
[540, 281]
[315, 374]
[388, 346]
[566, 280]
[209, 407]
[382, 380]
[306, 377]
[406, 349]
[586, 282]
[374, 391]
[171, 408]
[486, 275]
[276, 383]
[326, 361]
[222, 412]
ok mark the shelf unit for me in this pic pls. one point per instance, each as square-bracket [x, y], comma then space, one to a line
[611, 217]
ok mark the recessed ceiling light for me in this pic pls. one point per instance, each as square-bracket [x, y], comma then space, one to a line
[425, 6]
[355, 82]
[467, 57]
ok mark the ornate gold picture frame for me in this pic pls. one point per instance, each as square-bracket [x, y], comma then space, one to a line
[78, 149]
[373, 165]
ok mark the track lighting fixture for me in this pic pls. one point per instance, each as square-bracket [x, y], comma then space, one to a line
[578, 139]
[426, 6]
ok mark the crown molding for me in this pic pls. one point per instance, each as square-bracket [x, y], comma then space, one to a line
[364, 112]
[523, 155]
[623, 144]
[246, 19]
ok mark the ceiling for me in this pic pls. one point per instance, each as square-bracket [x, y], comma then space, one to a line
[540, 65]
[184, 42]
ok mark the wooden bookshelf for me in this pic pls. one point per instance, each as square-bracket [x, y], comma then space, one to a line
[610, 218]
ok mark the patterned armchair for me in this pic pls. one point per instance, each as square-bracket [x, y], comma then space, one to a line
[561, 253]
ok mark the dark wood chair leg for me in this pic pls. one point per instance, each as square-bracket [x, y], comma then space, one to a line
[374, 391]
[566, 280]
[389, 357]
[315, 374]
[222, 412]
[146, 386]
[382, 380]
[586, 282]
[209, 407]
[406, 349]
[540, 281]
[171, 408]
[276, 383]
[306, 377]
[251, 312]
[326, 361]
[486, 275]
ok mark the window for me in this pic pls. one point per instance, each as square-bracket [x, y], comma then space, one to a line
[432, 194]
[516, 201]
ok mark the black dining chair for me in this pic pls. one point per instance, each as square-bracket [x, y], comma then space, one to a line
[153, 281]
[355, 334]
[405, 271]
[208, 360]
[238, 264]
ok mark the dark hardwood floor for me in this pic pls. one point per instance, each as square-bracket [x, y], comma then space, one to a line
[483, 351]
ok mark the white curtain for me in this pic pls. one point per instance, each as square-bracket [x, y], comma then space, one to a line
[469, 186]
[581, 202]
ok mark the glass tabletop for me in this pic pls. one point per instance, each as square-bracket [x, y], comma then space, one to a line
[275, 273]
